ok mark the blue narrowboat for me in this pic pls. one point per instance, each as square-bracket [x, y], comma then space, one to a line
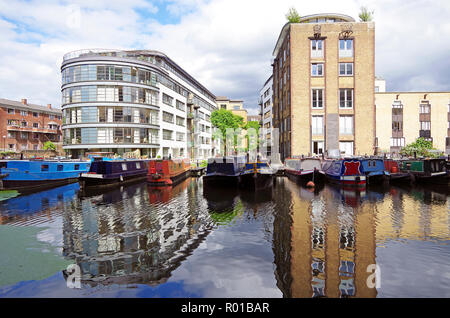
[257, 175]
[374, 170]
[347, 172]
[226, 170]
[25, 175]
[105, 173]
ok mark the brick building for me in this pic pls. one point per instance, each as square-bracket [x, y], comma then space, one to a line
[26, 126]
[323, 82]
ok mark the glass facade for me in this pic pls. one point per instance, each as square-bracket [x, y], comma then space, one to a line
[110, 114]
[95, 135]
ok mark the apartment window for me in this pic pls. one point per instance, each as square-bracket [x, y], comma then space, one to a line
[397, 125]
[345, 48]
[51, 117]
[317, 125]
[11, 134]
[346, 98]
[236, 107]
[346, 147]
[317, 147]
[24, 135]
[398, 142]
[24, 124]
[223, 106]
[35, 147]
[346, 125]
[12, 122]
[317, 69]
[180, 106]
[316, 48]
[35, 125]
[167, 99]
[425, 125]
[11, 111]
[425, 108]
[317, 98]
[167, 117]
[23, 113]
[180, 136]
[180, 121]
[35, 114]
[35, 136]
[345, 69]
[167, 134]
[11, 146]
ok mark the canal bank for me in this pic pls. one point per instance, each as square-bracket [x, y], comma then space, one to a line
[196, 241]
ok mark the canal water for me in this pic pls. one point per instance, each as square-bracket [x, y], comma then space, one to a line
[194, 241]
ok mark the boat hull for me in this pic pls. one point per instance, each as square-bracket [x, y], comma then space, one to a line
[304, 177]
[438, 178]
[87, 181]
[31, 185]
[168, 181]
[256, 181]
[400, 177]
[221, 180]
[347, 181]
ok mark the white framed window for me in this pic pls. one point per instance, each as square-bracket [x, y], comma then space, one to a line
[317, 69]
[317, 98]
[317, 48]
[425, 125]
[346, 98]
[346, 148]
[345, 48]
[317, 125]
[398, 142]
[345, 69]
[346, 125]
[425, 108]
[11, 111]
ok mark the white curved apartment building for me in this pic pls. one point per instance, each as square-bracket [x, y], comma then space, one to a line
[123, 101]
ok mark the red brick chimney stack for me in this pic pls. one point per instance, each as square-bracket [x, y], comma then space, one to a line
[24, 101]
[49, 106]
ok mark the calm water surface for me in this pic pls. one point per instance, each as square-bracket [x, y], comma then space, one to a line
[194, 241]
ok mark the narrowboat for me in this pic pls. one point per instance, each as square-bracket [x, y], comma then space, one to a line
[395, 175]
[28, 175]
[224, 170]
[257, 175]
[303, 170]
[168, 172]
[106, 173]
[426, 170]
[374, 170]
[348, 172]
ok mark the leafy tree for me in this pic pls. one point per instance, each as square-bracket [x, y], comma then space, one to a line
[49, 146]
[422, 148]
[254, 125]
[365, 15]
[224, 119]
[292, 16]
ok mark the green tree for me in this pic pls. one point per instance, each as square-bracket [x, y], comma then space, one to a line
[292, 16]
[223, 119]
[255, 125]
[49, 146]
[365, 15]
[422, 148]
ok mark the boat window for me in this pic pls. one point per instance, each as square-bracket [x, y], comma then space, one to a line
[44, 167]
[59, 168]
[77, 167]
[138, 165]
[124, 166]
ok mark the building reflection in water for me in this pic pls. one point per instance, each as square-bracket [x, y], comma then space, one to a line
[332, 241]
[137, 234]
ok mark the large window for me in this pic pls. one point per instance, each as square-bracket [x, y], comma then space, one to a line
[398, 142]
[425, 108]
[317, 98]
[180, 121]
[167, 134]
[168, 117]
[346, 148]
[317, 125]
[317, 69]
[317, 147]
[346, 98]
[425, 125]
[345, 48]
[346, 125]
[345, 69]
[168, 100]
[181, 106]
[316, 48]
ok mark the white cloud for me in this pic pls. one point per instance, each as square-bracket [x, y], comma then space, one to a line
[225, 44]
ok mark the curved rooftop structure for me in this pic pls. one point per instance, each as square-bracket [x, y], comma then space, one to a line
[313, 18]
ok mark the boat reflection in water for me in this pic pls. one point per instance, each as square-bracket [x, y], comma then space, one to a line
[127, 236]
[29, 208]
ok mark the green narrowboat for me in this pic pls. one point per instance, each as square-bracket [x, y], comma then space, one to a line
[426, 170]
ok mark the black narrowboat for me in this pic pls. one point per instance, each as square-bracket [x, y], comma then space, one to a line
[105, 173]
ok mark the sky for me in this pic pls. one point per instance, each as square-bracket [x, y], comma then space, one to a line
[226, 45]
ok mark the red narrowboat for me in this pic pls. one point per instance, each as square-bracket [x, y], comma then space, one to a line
[168, 172]
[395, 175]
